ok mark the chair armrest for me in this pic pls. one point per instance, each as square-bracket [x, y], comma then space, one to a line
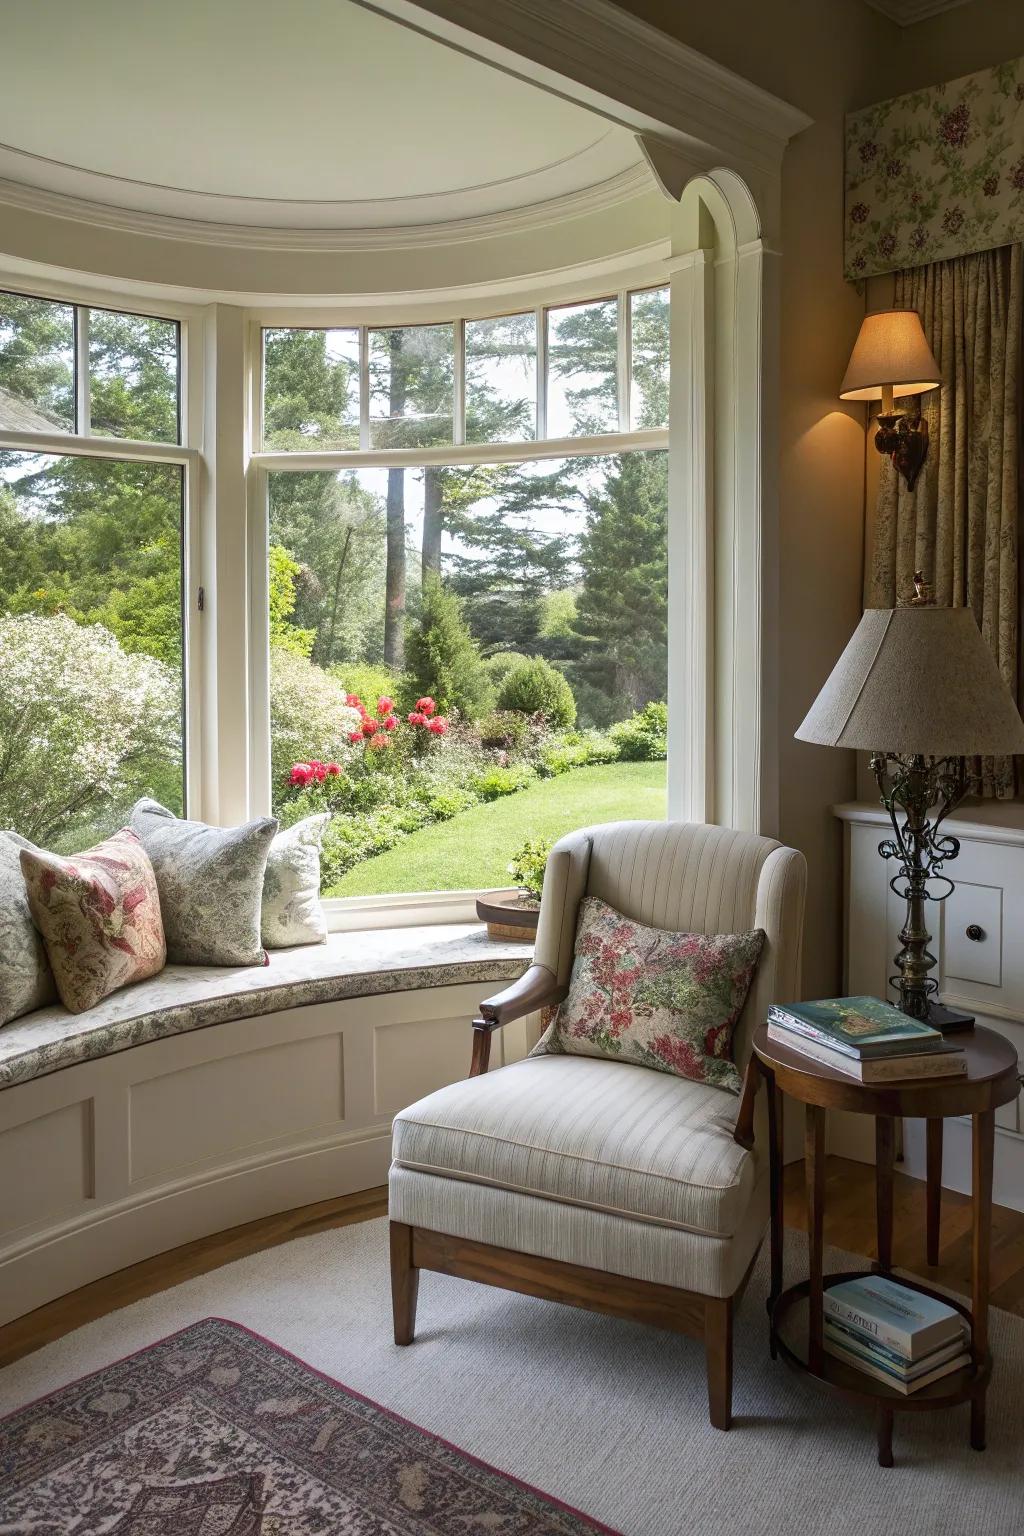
[743, 1132]
[536, 988]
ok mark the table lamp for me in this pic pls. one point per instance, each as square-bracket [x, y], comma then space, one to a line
[919, 689]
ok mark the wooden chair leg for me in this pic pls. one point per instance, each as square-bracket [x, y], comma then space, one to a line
[718, 1355]
[405, 1283]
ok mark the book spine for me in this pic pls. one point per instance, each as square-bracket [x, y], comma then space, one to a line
[817, 1052]
[895, 1339]
[793, 1026]
[887, 1359]
[897, 1068]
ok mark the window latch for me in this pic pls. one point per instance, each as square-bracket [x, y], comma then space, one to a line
[201, 599]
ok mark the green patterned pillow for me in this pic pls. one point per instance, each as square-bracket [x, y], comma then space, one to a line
[657, 999]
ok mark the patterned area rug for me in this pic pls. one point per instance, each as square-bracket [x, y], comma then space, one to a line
[217, 1432]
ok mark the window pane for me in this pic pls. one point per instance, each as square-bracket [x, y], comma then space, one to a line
[133, 376]
[583, 396]
[412, 372]
[501, 379]
[310, 389]
[525, 602]
[648, 394]
[91, 636]
[37, 365]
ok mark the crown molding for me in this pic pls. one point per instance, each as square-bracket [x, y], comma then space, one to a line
[611, 193]
[905, 13]
[610, 61]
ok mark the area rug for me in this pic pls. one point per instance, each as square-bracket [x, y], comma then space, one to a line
[607, 1416]
[216, 1432]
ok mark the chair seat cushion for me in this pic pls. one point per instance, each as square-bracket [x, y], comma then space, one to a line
[600, 1134]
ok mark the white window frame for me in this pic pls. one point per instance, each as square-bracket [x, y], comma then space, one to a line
[186, 455]
[403, 909]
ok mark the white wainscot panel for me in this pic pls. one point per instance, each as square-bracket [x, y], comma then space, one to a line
[235, 1105]
[47, 1166]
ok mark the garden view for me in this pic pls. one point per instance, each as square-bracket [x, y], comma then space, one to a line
[462, 656]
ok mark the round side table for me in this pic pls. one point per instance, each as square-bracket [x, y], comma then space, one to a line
[797, 1313]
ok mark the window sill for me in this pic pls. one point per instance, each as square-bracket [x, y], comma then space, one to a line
[413, 909]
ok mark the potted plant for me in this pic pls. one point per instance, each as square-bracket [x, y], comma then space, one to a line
[515, 917]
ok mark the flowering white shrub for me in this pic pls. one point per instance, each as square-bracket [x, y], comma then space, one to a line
[309, 717]
[81, 722]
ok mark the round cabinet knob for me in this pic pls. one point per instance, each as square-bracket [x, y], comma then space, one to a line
[975, 932]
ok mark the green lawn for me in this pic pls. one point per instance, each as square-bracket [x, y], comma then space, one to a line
[472, 850]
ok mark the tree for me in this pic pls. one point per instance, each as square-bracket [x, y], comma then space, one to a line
[37, 342]
[282, 571]
[442, 659]
[583, 351]
[85, 728]
[308, 394]
[534, 687]
[621, 615]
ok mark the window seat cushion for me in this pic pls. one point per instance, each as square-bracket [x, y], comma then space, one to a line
[185, 997]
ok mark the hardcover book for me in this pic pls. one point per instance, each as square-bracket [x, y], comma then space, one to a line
[892, 1315]
[906, 1387]
[856, 1026]
[887, 1359]
[942, 1061]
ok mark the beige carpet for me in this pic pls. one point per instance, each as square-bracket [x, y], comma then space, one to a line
[608, 1416]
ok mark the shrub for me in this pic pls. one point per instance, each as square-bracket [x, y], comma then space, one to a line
[644, 738]
[443, 804]
[492, 783]
[535, 687]
[308, 715]
[442, 659]
[527, 866]
[500, 665]
[367, 681]
[505, 729]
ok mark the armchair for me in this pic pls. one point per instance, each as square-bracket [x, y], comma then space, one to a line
[598, 1183]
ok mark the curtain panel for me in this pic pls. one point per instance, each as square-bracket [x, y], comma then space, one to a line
[960, 524]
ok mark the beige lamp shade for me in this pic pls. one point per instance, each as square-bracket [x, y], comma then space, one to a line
[891, 350]
[916, 680]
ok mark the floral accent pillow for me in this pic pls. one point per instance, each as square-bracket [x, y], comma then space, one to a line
[292, 913]
[26, 981]
[99, 915]
[664, 1000]
[211, 884]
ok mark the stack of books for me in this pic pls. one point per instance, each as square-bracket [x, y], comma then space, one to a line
[865, 1038]
[893, 1333]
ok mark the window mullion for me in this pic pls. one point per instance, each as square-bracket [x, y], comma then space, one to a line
[623, 356]
[459, 384]
[364, 387]
[83, 401]
[542, 374]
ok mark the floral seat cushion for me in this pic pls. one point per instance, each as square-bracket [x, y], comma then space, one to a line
[654, 998]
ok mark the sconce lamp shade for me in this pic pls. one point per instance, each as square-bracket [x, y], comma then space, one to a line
[916, 680]
[890, 350]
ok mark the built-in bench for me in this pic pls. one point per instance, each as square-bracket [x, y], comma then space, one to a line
[138, 1125]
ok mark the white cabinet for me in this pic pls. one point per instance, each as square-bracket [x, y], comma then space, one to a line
[978, 941]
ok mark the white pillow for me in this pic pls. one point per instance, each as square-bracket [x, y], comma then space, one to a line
[292, 913]
[26, 980]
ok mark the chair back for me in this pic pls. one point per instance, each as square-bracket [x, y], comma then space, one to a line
[687, 878]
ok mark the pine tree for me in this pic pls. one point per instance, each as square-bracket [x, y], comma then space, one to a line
[442, 659]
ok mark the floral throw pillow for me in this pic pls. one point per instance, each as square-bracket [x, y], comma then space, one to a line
[99, 915]
[292, 913]
[26, 981]
[653, 998]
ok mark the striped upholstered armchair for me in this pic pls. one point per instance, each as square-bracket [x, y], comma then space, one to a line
[600, 1183]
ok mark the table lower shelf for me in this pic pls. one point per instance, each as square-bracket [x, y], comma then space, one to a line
[789, 1324]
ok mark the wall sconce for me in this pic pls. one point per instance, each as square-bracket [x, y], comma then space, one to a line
[891, 354]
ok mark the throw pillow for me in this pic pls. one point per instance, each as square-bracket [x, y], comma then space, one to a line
[99, 915]
[657, 999]
[26, 980]
[210, 881]
[292, 913]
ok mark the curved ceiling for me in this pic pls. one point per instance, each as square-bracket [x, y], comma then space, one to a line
[310, 114]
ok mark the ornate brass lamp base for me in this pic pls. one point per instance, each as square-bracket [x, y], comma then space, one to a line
[910, 787]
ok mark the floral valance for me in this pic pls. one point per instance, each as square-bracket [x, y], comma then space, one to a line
[936, 173]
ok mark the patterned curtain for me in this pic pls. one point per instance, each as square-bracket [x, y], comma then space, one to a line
[960, 523]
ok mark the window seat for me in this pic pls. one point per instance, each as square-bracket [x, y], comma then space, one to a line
[188, 997]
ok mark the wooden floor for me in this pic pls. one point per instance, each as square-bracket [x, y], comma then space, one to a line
[849, 1223]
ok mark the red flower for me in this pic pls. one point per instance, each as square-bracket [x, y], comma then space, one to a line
[426, 706]
[385, 705]
[334, 768]
[389, 722]
[369, 726]
[438, 726]
[301, 773]
[417, 718]
[354, 700]
[378, 741]
[319, 772]
[355, 735]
